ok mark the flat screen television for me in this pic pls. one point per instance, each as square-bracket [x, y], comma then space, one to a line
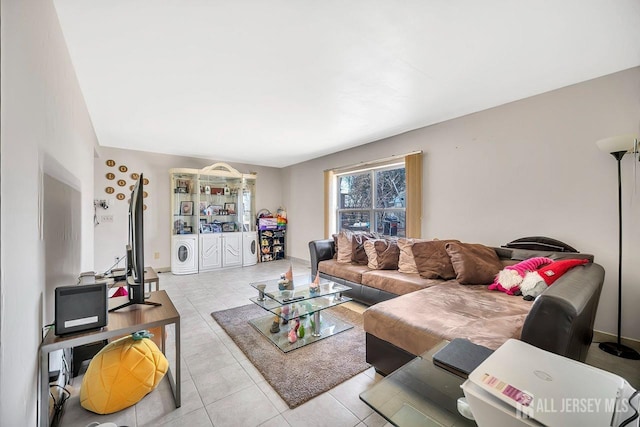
[135, 248]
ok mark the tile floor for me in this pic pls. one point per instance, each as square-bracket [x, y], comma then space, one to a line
[220, 387]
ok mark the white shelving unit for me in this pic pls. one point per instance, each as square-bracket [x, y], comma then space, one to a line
[212, 211]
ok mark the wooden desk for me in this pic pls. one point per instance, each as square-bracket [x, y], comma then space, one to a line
[122, 322]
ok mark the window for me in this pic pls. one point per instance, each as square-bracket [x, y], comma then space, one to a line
[373, 200]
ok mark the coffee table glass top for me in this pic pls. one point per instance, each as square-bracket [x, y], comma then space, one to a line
[300, 290]
[418, 394]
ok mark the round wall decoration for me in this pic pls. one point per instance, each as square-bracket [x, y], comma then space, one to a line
[110, 175]
[144, 207]
[120, 196]
[135, 176]
[131, 187]
[122, 182]
[109, 190]
[123, 169]
[110, 163]
[145, 194]
[145, 181]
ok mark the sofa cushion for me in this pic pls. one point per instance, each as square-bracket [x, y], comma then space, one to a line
[474, 264]
[351, 272]
[388, 254]
[394, 282]
[432, 259]
[419, 320]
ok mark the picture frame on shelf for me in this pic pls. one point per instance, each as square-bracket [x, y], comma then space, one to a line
[205, 228]
[187, 229]
[203, 221]
[203, 208]
[216, 209]
[230, 208]
[228, 226]
[186, 207]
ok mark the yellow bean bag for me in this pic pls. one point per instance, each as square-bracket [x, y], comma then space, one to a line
[121, 374]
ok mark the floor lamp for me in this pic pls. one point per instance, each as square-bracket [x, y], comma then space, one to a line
[618, 146]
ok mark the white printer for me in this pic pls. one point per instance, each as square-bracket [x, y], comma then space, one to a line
[521, 385]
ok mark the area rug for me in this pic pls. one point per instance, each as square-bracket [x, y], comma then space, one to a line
[302, 374]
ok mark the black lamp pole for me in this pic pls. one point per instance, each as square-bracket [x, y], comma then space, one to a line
[617, 348]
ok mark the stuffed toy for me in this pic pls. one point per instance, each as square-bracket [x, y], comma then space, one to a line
[537, 281]
[508, 280]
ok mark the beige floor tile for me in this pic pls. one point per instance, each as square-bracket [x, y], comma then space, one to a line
[348, 393]
[277, 421]
[197, 418]
[273, 396]
[159, 407]
[219, 384]
[247, 408]
[321, 411]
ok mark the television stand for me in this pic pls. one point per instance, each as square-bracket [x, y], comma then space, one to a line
[127, 304]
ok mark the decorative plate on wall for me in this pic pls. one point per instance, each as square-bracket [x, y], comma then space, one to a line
[120, 196]
[110, 163]
[110, 175]
[109, 190]
[123, 169]
[122, 182]
[135, 176]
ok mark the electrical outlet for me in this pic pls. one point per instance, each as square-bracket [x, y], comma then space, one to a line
[156, 255]
[106, 218]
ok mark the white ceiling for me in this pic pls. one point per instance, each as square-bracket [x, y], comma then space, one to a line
[278, 82]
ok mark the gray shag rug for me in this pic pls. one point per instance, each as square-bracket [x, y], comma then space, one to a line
[306, 372]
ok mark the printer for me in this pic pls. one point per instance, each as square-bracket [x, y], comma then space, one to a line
[522, 385]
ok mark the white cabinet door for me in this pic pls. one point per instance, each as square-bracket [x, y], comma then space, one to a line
[250, 248]
[231, 249]
[210, 251]
[184, 254]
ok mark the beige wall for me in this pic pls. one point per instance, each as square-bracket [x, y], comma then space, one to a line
[526, 168]
[111, 238]
[45, 130]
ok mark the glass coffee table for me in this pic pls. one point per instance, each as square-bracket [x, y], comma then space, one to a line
[419, 394]
[298, 301]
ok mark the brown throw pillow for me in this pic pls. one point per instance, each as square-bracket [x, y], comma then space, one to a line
[372, 256]
[474, 264]
[344, 247]
[388, 254]
[432, 259]
[358, 254]
[406, 263]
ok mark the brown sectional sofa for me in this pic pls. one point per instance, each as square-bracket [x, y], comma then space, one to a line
[408, 315]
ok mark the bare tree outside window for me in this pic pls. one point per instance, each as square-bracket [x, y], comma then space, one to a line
[373, 201]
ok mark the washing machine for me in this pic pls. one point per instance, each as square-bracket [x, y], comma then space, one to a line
[249, 248]
[184, 254]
